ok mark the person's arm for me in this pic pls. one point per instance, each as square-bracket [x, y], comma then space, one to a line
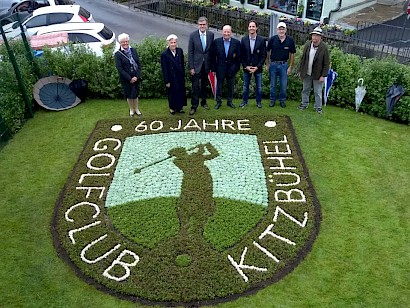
[191, 51]
[326, 63]
[118, 63]
[244, 55]
[268, 54]
[213, 56]
[138, 61]
[164, 69]
[291, 62]
[262, 55]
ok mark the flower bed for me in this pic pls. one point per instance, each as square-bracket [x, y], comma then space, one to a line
[182, 211]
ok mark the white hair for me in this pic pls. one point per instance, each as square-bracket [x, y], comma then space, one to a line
[123, 37]
[172, 37]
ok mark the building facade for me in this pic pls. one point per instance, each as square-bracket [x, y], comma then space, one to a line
[327, 11]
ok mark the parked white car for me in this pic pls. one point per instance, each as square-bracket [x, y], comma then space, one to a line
[6, 4]
[13, 10]
[49, 15]
[92, 35]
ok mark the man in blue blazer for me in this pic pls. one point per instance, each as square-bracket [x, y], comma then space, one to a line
[199, 62]
[253, 54]
[225, 62]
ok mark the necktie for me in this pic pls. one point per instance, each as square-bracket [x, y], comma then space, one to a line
[203, 41]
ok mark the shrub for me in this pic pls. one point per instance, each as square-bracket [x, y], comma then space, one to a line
[12, 105]
[102, 77]
[347, 67]
[379, 75]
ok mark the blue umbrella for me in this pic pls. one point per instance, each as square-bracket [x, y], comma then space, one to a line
[54, 93]
[329, 80]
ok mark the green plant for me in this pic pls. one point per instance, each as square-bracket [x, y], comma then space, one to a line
[300, 10]
[350, 157]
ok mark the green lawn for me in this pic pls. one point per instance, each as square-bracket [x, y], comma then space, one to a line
[359, 166]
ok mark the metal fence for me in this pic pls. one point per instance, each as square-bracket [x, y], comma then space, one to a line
[370, 41]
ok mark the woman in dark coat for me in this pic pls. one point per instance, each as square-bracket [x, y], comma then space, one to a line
[129, 70]
[173, 73]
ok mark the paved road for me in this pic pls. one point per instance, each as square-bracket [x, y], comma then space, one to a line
[138, 24]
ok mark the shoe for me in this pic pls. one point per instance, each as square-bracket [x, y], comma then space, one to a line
[138, 113]
[172, 112]
[283, 104]
[205, 106]
[192, 111]
[231, 105]
[319, 110]
[302, 107]
[218, 105]
[131, 113]
[259, 105]
[181, 111]
[243, 104]
[272, 104]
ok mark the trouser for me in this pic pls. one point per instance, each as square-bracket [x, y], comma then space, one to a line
[246, 82]
[278, 70]
[230, 83]
[199, 83]
[317, 85]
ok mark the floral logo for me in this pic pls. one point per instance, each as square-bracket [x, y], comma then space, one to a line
[187, 211]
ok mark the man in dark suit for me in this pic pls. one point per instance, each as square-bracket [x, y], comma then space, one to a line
[199, 62]
[225, 62]
[253, 54]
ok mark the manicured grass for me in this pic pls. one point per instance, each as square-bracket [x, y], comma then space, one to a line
[359, 165]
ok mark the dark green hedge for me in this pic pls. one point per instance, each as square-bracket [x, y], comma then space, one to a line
[102, 76]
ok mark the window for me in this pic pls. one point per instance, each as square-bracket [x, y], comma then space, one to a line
[254, 2]
[83, 12]
[38, 21]
[42, 3]
[62, 2]
[58, 18]
[285, 6]
[314, 9]
[23, 7]
[81, 38]
[106, 33]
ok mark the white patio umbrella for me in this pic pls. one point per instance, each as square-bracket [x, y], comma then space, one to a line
[360, 91]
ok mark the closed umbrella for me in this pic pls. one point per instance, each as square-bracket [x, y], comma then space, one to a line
[212, 81]
[54, 93]
[329, 80]
[392, 97]
[360, 91]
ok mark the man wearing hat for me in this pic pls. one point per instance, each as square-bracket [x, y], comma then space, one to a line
[282, 49]
[313, 69]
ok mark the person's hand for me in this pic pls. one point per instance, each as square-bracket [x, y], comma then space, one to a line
[321, 79]
[289, 70]
[192, 71]
[134, 79]
[168, 85]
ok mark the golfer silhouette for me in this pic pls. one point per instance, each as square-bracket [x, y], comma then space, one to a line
[195, 204]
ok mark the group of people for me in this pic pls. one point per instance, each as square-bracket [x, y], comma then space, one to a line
[223, 57]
